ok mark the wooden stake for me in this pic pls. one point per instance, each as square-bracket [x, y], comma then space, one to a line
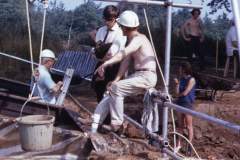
[217, 55]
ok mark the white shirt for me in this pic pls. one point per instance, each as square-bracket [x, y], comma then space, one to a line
[116, 37]
[45, 84]
[230, 37]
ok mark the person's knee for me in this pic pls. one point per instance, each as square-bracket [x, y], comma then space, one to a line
[113, 88]
[189, 127]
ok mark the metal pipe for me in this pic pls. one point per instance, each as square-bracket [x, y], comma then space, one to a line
[165, 150]
[153, 135]
[171, 154]
[187, 6]
[133, 122]
[199, 115]
[161, 95]
[236, 21]
[164, 126]
[165, 121]
[168, 45]
[203, 90]
[154, 3]
[167, 68]
[24, 60]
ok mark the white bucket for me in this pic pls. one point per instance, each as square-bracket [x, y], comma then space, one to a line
[96, 118]
[36, 132]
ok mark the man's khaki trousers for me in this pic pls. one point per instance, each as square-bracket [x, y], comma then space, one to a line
[113, 100]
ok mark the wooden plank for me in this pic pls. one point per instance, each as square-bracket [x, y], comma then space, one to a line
[74, 115]
[194, 58]
[13, 86]
[12, 103]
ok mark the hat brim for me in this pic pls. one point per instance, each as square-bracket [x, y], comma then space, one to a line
[127, 26]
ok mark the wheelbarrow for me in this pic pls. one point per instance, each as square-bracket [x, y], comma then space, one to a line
[212, 84]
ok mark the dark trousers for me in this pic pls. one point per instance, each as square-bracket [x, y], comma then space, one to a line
[235, 53]
[100, 85]
[196, 44]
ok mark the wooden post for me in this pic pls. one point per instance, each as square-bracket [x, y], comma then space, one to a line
[135, 8]
[217, 55]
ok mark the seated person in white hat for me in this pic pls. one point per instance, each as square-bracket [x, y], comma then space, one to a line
[47, 86]
[140, 50]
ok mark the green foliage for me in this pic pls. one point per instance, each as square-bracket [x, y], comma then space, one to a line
[87, 17]
[219, 4]
[60, 24]
[11, 14]
[58, 20]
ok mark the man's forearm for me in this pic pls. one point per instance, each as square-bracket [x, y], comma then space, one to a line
[57, 87]
[183, 33]
[106, 57]
[235, 44]
[176, 89]
[202, 33]
[117, 58]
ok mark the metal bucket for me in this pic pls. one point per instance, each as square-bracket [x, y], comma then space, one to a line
[35, 131]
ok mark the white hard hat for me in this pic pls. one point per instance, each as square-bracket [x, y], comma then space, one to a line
[48, 53]
[128, 19]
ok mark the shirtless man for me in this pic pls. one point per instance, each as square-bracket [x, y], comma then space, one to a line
[139, 49]
[194, 23]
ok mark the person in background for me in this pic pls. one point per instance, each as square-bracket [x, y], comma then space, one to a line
[231, 45]
[47, 86]
[185, 92]
[114, 35]
[111, 33]
[194, 23]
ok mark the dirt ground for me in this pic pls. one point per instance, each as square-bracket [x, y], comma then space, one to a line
[210, 141]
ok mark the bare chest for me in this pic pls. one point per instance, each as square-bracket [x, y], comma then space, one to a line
[193, 23]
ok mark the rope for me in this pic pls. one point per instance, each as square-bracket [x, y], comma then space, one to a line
[43, 26]
[145, 15]
[149, 32]
[29, 33]
[29, 98]
[187, 141]
[35, 73]
[30, 45]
